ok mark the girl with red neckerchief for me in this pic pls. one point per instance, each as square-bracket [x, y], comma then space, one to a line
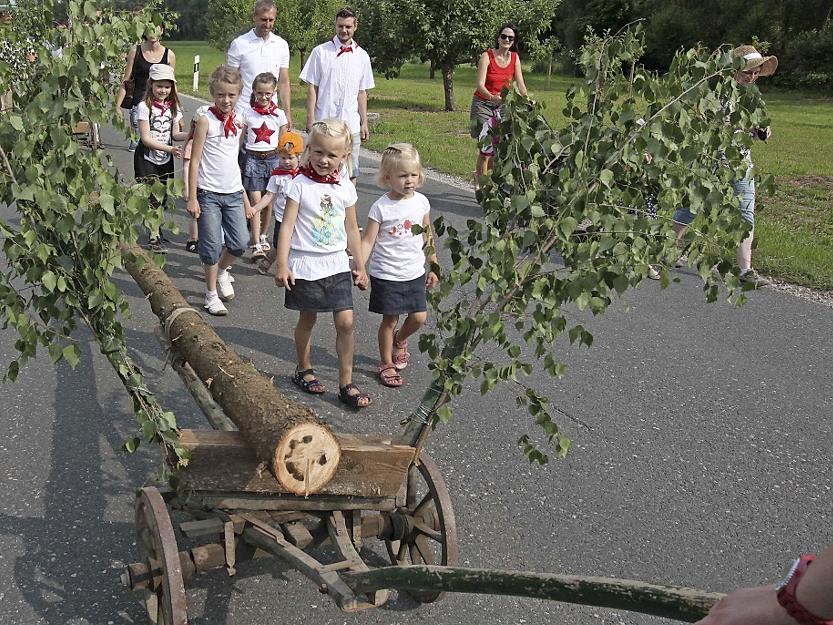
[265, 123]
[215, 188]
[159, 117]
[319, 224]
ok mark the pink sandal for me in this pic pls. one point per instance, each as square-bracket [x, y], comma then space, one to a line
[400, 358]
[389, 375]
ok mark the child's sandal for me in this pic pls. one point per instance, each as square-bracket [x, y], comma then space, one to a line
[389, 375]
[400, 358]
[353, 400]
[313, 386]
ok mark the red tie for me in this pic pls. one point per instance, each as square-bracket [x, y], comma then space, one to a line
[229, 126]
[162, 105]
[343, 50]
[313, 175]
[266, 110]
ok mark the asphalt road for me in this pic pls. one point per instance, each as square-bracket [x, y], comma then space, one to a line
[701, 442]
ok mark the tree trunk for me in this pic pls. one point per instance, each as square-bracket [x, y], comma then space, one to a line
[302, 454]
[448, 86]
[303, 53]
[682, 604]
[432, 71]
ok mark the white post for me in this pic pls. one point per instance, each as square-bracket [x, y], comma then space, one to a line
[196, 71]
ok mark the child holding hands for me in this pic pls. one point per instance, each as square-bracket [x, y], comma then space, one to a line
[319, 223]
[215, 188]
[398, 279]
[290, 148]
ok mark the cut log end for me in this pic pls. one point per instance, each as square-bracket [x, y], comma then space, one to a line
[306, 459]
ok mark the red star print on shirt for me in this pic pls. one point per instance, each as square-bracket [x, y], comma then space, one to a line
[263, 133]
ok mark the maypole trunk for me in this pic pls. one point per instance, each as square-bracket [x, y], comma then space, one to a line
[302, 453]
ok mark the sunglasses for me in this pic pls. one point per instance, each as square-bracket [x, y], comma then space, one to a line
[507, 37]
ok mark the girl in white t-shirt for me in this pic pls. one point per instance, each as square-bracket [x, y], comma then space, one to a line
[319, 222]
[159, 117]
[396, 264]
[265, 123]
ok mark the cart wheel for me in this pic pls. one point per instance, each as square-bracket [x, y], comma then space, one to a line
[433, 539]
[156, 541]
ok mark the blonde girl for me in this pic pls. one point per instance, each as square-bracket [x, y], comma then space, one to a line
[265, 123]
[319, 223]
[396, 264]
[215, 190]
[159, 117]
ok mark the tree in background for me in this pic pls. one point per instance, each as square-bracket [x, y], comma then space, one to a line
[192, 21]
[303, 23]
[444, 33]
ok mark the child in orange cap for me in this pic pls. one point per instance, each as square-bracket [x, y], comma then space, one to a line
[290, 148]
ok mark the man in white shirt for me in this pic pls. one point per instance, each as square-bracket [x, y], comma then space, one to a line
[338, 75]
[260, 50]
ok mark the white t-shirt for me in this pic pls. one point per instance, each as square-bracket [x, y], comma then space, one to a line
[398, 253]
[320, 237]
[339, 78]
[263, 131]
[253, 55]
[278, 186]
[219, 171]
[160, 130]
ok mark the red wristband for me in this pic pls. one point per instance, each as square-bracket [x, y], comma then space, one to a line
[786, 594]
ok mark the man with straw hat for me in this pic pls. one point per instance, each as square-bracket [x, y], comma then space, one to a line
[756, 65]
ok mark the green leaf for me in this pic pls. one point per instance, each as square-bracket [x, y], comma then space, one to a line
[70, 354]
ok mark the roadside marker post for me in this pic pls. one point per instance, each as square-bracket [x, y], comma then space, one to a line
[196, 71]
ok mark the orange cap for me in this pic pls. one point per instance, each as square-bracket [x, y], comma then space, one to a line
[291, 142]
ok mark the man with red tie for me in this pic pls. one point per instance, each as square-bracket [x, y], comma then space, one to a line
[338, 75]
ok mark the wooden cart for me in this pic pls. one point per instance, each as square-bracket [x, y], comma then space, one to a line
[381, 491]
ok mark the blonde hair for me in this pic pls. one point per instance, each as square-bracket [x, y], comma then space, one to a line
[331, 128]
[394, 157]
[266, 78]
[226, 74]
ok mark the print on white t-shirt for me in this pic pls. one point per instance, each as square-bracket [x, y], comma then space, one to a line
[398, 253]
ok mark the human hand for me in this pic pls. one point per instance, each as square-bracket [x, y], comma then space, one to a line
[365, 131]
[360, 279]
[250, 210]
[284, 277]
[748, 606]
[176, 152]
[431, 280]
[193, 207]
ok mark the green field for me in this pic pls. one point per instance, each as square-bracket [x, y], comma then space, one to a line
[795, 225]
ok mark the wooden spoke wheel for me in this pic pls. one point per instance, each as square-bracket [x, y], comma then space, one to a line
[165, 601]
[430, 531]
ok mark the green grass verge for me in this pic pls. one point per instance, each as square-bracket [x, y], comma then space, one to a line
[794, 238]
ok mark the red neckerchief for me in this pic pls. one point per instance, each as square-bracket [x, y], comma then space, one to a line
[313, 175]
[272, 109]
[284, 172]
[163, 105]
[349, 48]
[229, 125]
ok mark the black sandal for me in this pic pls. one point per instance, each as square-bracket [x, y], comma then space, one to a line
[313, 386]
[353, 400]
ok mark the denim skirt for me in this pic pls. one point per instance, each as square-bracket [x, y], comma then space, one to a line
[257, 171]
[388, 297]
[330, 294]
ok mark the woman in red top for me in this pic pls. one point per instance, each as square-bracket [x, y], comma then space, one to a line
[497, 68]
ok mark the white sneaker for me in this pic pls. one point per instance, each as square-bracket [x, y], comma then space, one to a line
[224, 287]
[230, 275]
[215, 307]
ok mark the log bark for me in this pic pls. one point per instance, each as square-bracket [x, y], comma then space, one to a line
[682, 604]
[301, 453]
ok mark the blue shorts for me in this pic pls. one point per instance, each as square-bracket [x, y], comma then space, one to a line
[257, 171]
[221, 221]
[745, 192]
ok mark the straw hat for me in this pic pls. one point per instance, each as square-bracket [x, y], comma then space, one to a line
[753, 58]
[160, 71]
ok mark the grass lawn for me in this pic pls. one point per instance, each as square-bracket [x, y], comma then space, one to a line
[794, 226]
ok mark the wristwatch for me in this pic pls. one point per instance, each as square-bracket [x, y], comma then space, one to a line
[786, 593]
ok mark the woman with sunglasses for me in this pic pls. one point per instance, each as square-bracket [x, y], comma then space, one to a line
[498, 68]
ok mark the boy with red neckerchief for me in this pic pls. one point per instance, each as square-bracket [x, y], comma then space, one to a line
[216, 198]
[290, 148]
